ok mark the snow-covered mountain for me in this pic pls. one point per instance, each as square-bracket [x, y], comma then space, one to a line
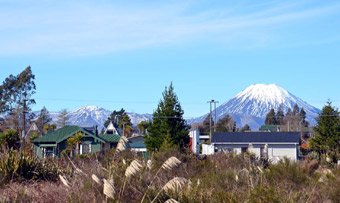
[252, 104]
[89, 116]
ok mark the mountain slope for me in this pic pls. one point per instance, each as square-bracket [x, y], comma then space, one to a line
[89, 116]
[252, 104]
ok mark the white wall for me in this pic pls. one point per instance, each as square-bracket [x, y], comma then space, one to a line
[276, 152]
[208, 149]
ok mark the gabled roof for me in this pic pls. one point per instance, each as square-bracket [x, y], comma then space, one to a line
[110, 138]
[256, 137]
[112, 128]
[63, 134]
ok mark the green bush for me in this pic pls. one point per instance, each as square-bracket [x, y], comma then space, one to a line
[19, 166]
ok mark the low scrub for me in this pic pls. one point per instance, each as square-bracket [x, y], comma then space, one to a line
[171, 176]
[20, 166]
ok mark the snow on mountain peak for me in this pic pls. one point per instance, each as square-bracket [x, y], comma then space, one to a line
[270, 93]
[252, 104]
[89, 108]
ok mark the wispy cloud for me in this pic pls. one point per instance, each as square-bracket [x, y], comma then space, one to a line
[87, 28]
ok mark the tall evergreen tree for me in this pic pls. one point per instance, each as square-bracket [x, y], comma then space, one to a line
[280, 116]
[271, 118]
[63, 118]
[302, 115]
[327, 133]
[296, 110]
[168, 123]
[226, 124]
[44, 118]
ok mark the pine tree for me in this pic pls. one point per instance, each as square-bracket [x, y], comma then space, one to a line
[280, 116]
[226, 124]
[63, 118]
[168, 123]
[327, 133]
[296, 110]
[271, 118]
[44, 118]
[302, 115]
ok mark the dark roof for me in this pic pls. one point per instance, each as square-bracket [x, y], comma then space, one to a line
[136, 142]
[111, 138]
[62, 134]
[256, 137]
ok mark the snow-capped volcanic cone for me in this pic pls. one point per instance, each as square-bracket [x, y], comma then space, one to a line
[252, 104]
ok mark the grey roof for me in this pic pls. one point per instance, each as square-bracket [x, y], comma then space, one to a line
[256, 137]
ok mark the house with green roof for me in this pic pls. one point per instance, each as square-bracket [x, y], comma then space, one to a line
[54, 143]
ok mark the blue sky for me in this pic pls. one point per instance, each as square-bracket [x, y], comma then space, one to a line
[117, 54]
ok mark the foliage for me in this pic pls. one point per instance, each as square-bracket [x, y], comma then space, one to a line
[271, 118]
[9, 138]
[327, 133]
[49, 127]
[15, 89]
[122, 120]
[43, 119]
[245, 128]
[168, 121]
[19, 166]
[143, 127]
[73, 143]
[291, 121]
[63, 118]
[180, 177]
[204, 128]
[226, 124]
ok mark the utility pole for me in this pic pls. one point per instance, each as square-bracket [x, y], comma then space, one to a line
[24, 112]
[215, 102]
[210, 133]
[210, 119]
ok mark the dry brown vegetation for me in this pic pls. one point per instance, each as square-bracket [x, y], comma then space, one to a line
[173, 176]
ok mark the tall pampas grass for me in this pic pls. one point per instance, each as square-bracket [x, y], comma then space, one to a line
[176, 184]
[149, 164]
[121, 146]
[108, 189]
[96, 179]
[130, 171]
[171, 201]
[169, 164]
[64, 181]
[133, 168]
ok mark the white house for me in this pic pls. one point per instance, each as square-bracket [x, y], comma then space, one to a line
[274, 145]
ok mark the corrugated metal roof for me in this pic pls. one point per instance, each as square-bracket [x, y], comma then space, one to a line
[62, 134]
[136, 142]
[256, 137]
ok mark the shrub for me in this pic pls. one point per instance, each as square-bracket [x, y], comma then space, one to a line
[19, 166]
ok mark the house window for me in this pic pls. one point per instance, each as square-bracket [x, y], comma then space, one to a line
[85, 148]
[48, 152]
[244, 149]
